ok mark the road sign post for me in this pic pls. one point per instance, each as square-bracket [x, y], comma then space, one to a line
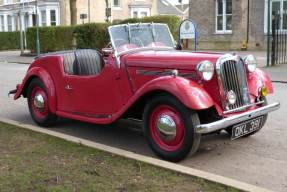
[187, 30]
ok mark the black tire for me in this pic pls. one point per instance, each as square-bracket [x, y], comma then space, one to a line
[229, 129]
[190, 140]
[48, 119]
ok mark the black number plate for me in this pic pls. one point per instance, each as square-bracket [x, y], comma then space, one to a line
[246, 128]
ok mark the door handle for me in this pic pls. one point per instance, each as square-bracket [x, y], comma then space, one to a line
[68, 87]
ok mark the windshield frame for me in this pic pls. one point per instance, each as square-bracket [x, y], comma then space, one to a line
[117, 54]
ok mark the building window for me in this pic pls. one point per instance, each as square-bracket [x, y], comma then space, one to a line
[135, 14]
[53, 18]
[8, 2]
[140, 12]
[43, 18]
[9, 22]
[116, 3]
[2, 27]
[223, 16]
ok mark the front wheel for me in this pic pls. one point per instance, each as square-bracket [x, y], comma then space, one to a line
[169, 128]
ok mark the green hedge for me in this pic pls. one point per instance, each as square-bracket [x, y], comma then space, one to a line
[9, 40]
[51, 38]
[93, 35]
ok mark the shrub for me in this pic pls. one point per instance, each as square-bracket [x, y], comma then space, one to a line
[9, 40]
[92, 35]
[51, 38]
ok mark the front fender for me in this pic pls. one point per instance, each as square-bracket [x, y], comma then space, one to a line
[44, 76]
[258, 79]
[187, 91]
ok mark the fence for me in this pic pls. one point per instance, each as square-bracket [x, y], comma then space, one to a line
[278, 37]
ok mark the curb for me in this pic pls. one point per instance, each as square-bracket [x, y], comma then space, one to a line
[152, 161]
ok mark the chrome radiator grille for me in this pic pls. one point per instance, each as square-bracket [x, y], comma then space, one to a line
[232, 77]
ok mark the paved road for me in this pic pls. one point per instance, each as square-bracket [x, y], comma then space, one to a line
[260, 160]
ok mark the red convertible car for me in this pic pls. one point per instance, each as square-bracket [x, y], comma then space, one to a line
[179, 95]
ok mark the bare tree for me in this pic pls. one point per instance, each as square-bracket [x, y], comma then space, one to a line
[73, 11]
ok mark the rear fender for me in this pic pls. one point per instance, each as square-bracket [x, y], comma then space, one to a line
[257, 79]
[38, 72]
[187, 91]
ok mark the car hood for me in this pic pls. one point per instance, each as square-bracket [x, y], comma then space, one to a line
[169, 59]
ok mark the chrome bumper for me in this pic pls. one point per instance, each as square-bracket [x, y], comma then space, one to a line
[226, 122]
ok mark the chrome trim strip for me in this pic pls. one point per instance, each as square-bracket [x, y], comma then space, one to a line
[242, 108]
[233, 120]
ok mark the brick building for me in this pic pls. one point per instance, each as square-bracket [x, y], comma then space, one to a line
[229, 24]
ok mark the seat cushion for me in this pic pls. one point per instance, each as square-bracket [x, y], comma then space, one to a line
[88, 61]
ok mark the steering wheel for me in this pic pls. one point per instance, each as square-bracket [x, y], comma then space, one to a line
[137, 41]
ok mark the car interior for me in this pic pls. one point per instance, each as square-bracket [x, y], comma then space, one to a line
[83, 62]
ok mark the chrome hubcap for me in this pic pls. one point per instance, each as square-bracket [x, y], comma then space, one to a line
[39, 101]
[166, 127]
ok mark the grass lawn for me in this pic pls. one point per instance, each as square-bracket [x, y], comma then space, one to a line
[31, 161]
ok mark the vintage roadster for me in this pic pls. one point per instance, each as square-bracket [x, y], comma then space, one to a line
[179, 95]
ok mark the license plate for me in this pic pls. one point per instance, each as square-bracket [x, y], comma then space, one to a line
[246, 128]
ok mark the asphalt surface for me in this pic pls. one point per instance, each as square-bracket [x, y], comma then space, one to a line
[259, 160]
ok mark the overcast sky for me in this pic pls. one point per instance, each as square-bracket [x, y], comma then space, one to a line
[176, 1]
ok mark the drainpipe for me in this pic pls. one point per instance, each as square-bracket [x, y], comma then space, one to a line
[245, 42]
[248, 21]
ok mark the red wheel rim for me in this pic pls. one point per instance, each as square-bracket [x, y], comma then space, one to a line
[167, 117]
[39, 103]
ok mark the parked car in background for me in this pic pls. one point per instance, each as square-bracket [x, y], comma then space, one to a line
[179, 95]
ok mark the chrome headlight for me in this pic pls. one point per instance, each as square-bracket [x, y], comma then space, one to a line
[250, 62]
[205, 69]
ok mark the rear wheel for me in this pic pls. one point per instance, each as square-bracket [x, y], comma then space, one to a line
[38, 103]
[169, 128]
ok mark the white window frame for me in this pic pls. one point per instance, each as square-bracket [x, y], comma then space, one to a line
[41, 17]
[224, 18]
[10, 23]
[140, 10]
[2, 23]
[117, 7]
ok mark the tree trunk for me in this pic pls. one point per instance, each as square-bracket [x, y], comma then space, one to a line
[73, 11]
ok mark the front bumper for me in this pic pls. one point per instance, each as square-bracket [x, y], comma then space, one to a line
[226, 122]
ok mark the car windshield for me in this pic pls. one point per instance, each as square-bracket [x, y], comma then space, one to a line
[134, 36]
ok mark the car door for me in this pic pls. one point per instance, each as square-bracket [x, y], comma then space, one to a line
[92, 91]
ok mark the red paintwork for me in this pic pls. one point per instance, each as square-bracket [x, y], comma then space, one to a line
[257, 79]
[105, 97]
[167, 145]
[35, 70]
